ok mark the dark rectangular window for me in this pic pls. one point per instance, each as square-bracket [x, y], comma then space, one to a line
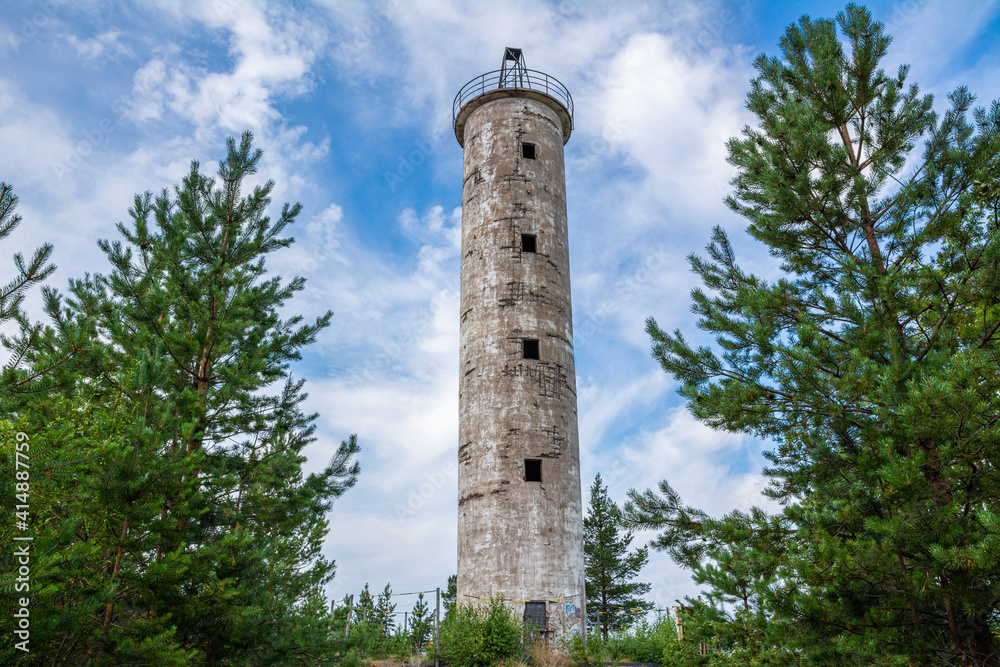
[532, 470]
[528, 151]
[534, 613]
[528, 243]
[530, 349]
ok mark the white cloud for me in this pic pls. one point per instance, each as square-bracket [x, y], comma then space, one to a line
[604, 404]
[433, 224]
[33, 136]
[676, 111]
[105, 46]
[272, 50]
[710, 469]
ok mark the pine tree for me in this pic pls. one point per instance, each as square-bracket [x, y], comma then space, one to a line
[182, 527]
[872, 364]
[384, 611]
[372, 624]
[421, 623]
[450, 595]
[94, 505]
[612, 595]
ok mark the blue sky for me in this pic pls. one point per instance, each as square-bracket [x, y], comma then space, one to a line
[351, 103]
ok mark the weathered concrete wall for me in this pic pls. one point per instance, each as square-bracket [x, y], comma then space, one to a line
[523, 539]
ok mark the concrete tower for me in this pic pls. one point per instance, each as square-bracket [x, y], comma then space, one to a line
[520, 521]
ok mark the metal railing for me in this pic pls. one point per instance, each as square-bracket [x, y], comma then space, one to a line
[528, 79]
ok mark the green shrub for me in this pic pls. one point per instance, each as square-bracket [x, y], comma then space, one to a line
[481, 636]
[643, 642]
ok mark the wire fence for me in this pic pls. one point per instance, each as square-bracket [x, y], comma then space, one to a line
[564, 597]
[375, 627]
[406, 627]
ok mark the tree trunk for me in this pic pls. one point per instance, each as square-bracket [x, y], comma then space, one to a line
[114, 573]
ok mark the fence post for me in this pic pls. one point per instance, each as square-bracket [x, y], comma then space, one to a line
[437, 628]
[350, 608]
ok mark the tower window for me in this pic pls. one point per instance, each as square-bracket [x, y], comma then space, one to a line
[532, 470]
[528, 151]
[530, 349]
[528, 243]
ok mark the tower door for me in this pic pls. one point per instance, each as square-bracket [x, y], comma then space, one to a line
[534, 613]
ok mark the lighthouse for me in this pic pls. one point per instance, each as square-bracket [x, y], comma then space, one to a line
[520, 514]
